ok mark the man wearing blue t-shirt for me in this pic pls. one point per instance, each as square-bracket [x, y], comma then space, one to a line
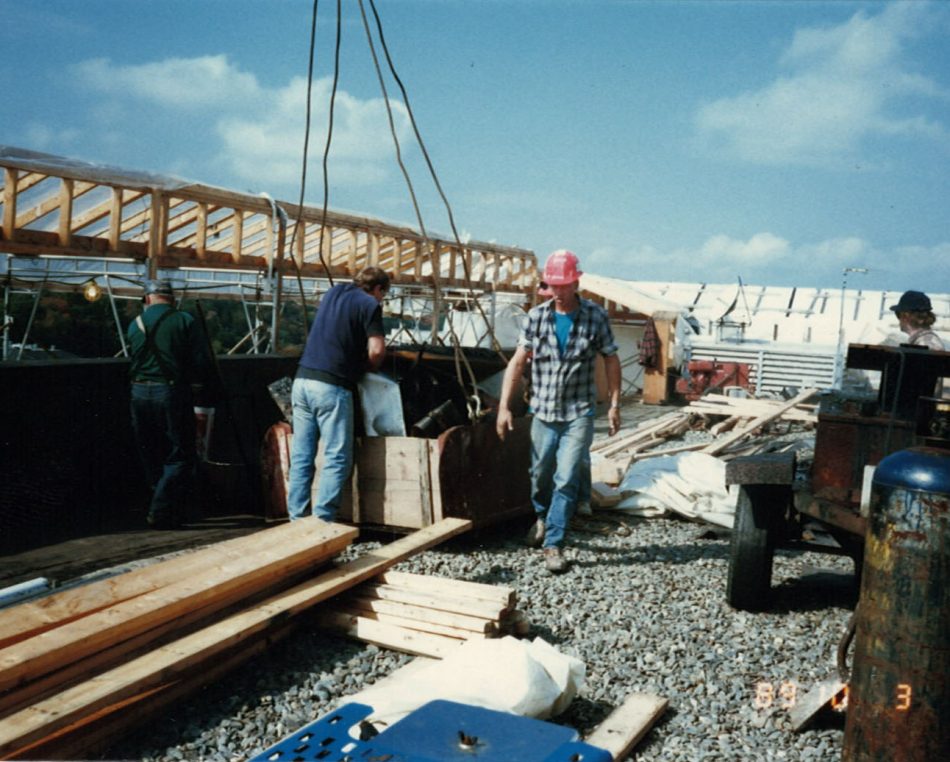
[345, 341]
[561, 337]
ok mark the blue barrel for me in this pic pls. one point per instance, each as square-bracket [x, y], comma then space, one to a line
[899, 702]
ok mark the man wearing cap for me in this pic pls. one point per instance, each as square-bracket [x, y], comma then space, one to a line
[345, 341]
[168, 354]
[561, 338]
[915, 315]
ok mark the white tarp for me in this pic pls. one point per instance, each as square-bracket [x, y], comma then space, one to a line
[691, 484]
[382, 406]
[531, 679]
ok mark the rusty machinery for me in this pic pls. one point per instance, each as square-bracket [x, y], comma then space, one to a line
[702, 376]
[899, 703]
[783, 504]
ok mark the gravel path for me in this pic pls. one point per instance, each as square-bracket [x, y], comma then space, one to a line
[643, 606]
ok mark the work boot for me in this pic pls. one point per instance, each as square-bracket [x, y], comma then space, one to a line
[535, 535]
[584, 509]
[554, 560]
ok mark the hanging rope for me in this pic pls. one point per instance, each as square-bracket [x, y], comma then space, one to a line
[303, 172]
[432, 172]
[473, 401]
[326, 150]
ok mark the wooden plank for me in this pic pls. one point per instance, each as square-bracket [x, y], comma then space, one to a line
[66, 212]
[627, 724]
[721, 444]
[391, 636]
[446, 586]
[10, 180]
[334, 613]
[220, 587]
[420, 613]
[115, 219]
[483, 609]
[393, 479]
[187, 654]
[99, 731]
[33, 617]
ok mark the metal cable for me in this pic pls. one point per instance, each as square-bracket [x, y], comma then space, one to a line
[326, 150]
[433, 173]
[460, 358]
[303, 172]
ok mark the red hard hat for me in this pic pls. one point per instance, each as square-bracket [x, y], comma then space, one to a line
[561, 268]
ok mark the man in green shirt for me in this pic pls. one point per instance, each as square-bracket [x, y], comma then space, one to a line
[168, 355]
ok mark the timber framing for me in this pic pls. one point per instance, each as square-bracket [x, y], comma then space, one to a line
[55, 207]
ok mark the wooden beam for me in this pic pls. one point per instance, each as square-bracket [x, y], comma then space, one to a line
[185, 655]
[218, 587]
[419, 613]
[721, 444]
[446, 586]
[66, 212]
[389, 635]
[627, 724]
[10, 180]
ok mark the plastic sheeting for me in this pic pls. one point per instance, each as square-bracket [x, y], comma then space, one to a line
[691, 484]
[382, 406]
[531, 679]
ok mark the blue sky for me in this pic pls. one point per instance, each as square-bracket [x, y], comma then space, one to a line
[779, 142]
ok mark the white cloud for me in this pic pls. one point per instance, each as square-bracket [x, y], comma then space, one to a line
[176, 83]
[759, 250]
[841, 85]
[42, 137]
[260, 130]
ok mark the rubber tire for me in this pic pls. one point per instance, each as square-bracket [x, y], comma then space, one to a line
[749, 583]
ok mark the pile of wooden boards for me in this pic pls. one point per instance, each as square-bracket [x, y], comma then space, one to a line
[742, 418]
[424, 615]
[79, 667]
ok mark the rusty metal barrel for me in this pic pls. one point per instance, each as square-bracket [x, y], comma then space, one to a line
[899, 698]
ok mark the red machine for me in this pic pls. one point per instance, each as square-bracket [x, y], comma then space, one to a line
[701, 376]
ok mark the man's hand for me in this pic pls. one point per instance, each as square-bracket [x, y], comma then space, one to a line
[613, 418]
[504, 423]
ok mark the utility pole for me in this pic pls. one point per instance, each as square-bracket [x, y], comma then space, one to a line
[840, 352]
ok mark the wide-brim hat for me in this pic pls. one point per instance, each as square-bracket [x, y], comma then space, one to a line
[913, 301]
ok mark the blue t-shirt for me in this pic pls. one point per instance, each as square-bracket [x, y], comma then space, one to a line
[336, 346]
[563, 323]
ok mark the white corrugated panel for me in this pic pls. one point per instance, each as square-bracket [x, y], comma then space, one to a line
[774, 367]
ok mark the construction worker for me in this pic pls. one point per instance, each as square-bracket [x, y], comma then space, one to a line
[345, 341]
[168, 354]
[561, 338]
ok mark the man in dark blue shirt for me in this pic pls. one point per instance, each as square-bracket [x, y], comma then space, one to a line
[345, 341]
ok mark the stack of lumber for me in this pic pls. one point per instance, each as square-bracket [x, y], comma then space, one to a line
[741, 417]
[423, 615]
[80, 667]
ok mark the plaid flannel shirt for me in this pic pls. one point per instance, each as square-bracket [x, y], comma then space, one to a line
[563, 388]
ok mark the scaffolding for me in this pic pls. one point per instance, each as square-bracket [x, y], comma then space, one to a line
[69, 225]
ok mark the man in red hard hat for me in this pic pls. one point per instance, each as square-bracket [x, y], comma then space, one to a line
[561, 338]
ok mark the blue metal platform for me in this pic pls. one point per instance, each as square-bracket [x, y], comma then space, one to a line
[440, 731]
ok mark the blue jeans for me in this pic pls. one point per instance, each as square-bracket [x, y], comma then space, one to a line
[320, 410]
[163, 419]
[558, 452]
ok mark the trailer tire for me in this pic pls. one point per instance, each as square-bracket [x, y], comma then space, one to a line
[749, 583]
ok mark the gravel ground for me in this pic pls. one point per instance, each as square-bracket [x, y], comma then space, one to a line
[643, 606]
